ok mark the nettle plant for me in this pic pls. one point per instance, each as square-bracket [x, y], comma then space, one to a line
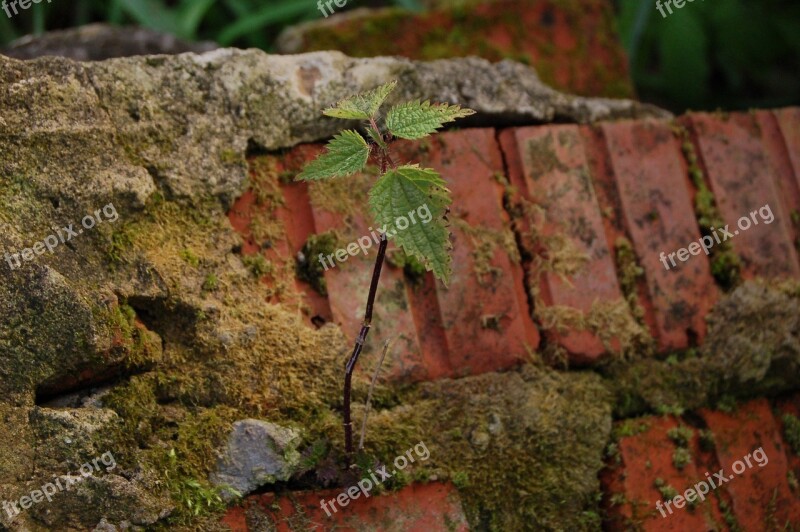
[398, 191]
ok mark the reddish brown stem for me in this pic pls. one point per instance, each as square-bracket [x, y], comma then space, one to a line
[362, 337]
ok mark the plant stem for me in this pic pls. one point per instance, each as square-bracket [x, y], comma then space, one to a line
[362, 336]
[369, 394]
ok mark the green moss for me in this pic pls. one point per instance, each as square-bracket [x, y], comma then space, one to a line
[728, 515]
[681, 435]
[667, 492]
[210, 283]
[791, 429]
[630, 427]
[460, 479]
[258, 265]
[727, 403]
[681, 457]
[725, 263]
[309, 267]
[190, 257]
[121, 242]
[485, 244]
[413, 269]
[707, 440]
[231, 157]
[629, 272]
[185, 465]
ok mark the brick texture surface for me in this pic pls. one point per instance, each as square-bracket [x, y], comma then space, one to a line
[574, 47]
[430, 507]
[742, 177]
[593, 185]
[755, 497]
[762, 497]
[549, 168]
[484, 310]
[646, 471]
[657, 208]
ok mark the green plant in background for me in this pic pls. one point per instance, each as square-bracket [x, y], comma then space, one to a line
[398, 192]
[247, 23]
[732, 54]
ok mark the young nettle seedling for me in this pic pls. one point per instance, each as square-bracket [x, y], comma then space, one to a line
[398, 190]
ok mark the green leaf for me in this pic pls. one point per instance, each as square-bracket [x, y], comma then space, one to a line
[414, 120]
[361, 106]
[347, 154]
[415, 194]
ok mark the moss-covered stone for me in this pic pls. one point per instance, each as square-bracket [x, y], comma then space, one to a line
[752, 348]
[505, 441]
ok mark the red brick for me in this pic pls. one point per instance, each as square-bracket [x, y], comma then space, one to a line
[657, 208]
[761, 496]
[418, 507]
[574, 49]
[294, 215]
[348, 287]
[553, 173]
[605, 188]
[470, 160]
[646, 456]
[742, 179]
[778, 152]
[789, 123]
[790, 405]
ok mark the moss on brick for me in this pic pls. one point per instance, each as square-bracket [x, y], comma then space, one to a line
[725, 263]
[309, 268]
[749, 350]
[791, 430]
[459, 33]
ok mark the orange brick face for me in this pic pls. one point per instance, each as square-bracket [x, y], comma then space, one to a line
[592, 185]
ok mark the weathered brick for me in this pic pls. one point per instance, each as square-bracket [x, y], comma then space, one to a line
[605, 188]
[789, 123]
[645, 469]
[575, 48]
[778, 151]
[484, 311]
[288, 208]
[657, 209]
[348, 281]
[743, 180]
[423, 507]
[550, 170]
[791, 438]
[761, 496]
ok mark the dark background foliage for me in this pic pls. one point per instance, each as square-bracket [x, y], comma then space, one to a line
[730, 54]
